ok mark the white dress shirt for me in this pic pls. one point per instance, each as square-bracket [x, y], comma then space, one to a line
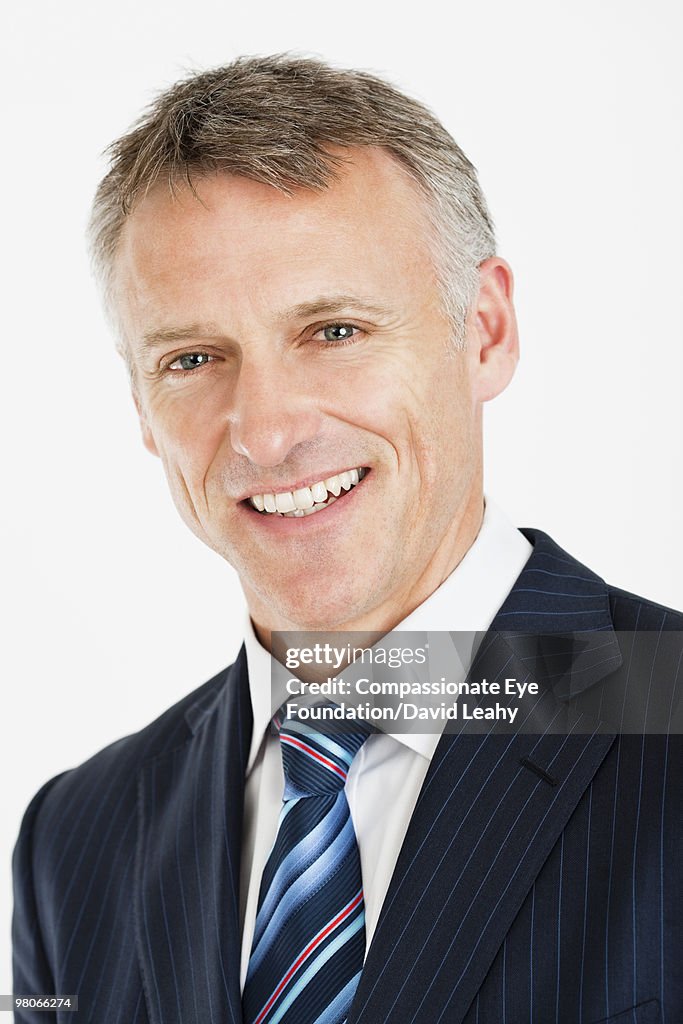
[387, 773]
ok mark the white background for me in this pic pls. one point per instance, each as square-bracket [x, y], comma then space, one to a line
[572, 115]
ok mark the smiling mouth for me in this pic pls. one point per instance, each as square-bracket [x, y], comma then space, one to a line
[307, 500]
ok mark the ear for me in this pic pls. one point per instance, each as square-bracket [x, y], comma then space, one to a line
[147, 436]
[493, 332]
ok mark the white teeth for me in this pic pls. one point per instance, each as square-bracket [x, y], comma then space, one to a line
[304, 499]
[285, 502]
[319, 492]
[330, 501]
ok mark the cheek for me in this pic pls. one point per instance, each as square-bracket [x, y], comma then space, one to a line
[384, 394]
[447, 436]
[188, 439]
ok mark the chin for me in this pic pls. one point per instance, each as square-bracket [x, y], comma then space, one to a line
[315, 611]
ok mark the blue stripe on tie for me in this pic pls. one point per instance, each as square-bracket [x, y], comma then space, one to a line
[333, 1013]
[317, 756]
[305, 730]
[311, 846]
[298, 893]
[319, 962]
[285, 809]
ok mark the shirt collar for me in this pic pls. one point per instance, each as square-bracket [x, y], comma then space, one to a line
[467, 601]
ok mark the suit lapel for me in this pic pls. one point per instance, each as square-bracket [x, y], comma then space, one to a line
[190, 803]
[492, 807]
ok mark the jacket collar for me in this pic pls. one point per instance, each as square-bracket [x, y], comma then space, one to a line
[551, 615]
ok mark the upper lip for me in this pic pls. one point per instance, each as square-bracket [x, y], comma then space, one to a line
[312, 478]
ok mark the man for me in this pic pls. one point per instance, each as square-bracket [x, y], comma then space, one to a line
[301, 270]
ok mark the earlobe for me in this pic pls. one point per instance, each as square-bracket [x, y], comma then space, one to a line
[496, 328]
[147, 436]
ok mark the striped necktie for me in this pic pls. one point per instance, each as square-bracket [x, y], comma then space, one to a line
[309, 937]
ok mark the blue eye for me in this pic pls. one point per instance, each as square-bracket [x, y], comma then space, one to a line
[190, 361]
[339, 333]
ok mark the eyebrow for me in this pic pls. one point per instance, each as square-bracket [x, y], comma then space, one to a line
[322, 305]
[329, 305]
[151, 339]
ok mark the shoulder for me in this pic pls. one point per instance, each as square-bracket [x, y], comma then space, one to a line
[629, 611]
[566, 584]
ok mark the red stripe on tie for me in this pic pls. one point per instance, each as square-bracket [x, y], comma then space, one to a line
[348, 909]
[314, 753]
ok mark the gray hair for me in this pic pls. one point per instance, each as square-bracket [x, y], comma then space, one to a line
[272, 119]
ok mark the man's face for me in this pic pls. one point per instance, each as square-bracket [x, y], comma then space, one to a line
[277, 342]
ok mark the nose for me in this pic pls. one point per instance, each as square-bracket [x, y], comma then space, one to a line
[271, 413]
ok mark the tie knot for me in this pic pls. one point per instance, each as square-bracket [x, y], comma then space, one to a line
[316, 756]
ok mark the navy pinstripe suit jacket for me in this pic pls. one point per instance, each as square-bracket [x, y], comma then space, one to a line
[543, 891]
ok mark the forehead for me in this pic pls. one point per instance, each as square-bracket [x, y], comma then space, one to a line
[371, 192]
[251, 244]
